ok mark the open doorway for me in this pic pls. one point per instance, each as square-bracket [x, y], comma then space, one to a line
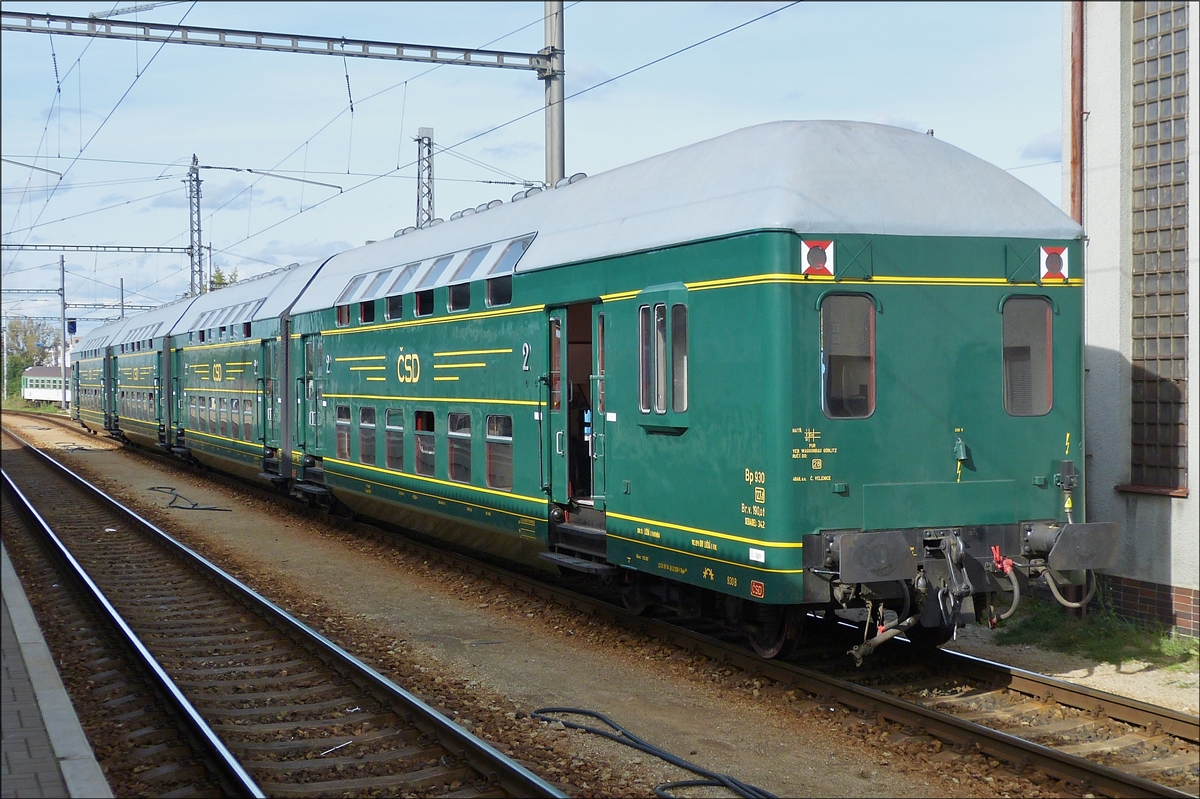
[579, 402]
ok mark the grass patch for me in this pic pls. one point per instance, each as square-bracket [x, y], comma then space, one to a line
[18, 403]
[1101, 635]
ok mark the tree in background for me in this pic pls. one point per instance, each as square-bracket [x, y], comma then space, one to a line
[30, 343]
[220, 280]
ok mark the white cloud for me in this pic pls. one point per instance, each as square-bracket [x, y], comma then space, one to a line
[1046, 147]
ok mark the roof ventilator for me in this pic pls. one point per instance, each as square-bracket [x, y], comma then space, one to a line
[578, 176]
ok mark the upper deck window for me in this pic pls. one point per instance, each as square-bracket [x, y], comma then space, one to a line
[459, 298]
[508, 261]
[470, 263]
[848, 356]
[499, 291]
[350, 289]
[435, 271]
[377, 281]
[1028, 356]
[402, 279]
[395, 306]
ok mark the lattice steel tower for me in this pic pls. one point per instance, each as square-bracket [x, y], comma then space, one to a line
[198, 284]
[424, 176]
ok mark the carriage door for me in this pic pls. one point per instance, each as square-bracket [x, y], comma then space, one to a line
[161, 411]
[314, 393]
[557, 409]
[76, 391]
[268, 411]
[594, 425]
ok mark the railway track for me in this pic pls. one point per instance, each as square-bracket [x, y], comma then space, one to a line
[1097, 741]
[301, 716]
[137, 732]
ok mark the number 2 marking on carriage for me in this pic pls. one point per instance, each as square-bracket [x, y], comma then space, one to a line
[525, 356]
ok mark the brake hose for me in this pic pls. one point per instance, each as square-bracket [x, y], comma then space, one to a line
[1066, 603]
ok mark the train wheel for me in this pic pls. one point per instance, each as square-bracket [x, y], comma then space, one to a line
[775, 631]
[633, 596]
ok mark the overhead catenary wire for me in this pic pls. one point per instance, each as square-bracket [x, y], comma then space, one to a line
[78, 64]
[502, 125]
[92, 211]
[250, 235]
[104, 122]
[369, 97]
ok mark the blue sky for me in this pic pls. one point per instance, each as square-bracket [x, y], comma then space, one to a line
[985, 77]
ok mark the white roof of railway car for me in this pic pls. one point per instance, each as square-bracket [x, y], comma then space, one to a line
[248, 300]
[101, 336]
[817, 177]
[152, 324]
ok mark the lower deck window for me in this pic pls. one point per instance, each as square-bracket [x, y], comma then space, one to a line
[341, 437]
[458, 442]
[1028, 365]
[848, 356]
[224, 417]
[366, 436]
[394, 438]
[499, 453]
[235, 418]
[425, 447]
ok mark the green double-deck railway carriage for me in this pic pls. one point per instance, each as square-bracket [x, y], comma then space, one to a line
[220, 402]
[719, 490]
[707, 356]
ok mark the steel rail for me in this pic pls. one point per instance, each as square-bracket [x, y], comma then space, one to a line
[1073, 768]
[482, 756]
[1119, 708]
[229, 765]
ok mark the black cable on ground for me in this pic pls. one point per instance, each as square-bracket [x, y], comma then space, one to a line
[177, 498]
[625, 737]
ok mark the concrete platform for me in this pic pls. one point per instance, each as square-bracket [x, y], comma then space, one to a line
[45, 751]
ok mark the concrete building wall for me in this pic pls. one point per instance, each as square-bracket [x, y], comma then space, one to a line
[1159, 570]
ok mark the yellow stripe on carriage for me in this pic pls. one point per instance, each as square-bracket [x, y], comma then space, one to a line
[530, 403]
[698, 531]
[706, 557]
[434, 480]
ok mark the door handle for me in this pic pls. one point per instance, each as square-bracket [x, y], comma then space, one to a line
[597, 446]
[312, 418]
[558, 442]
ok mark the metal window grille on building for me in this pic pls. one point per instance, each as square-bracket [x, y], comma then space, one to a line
[1158, 452]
